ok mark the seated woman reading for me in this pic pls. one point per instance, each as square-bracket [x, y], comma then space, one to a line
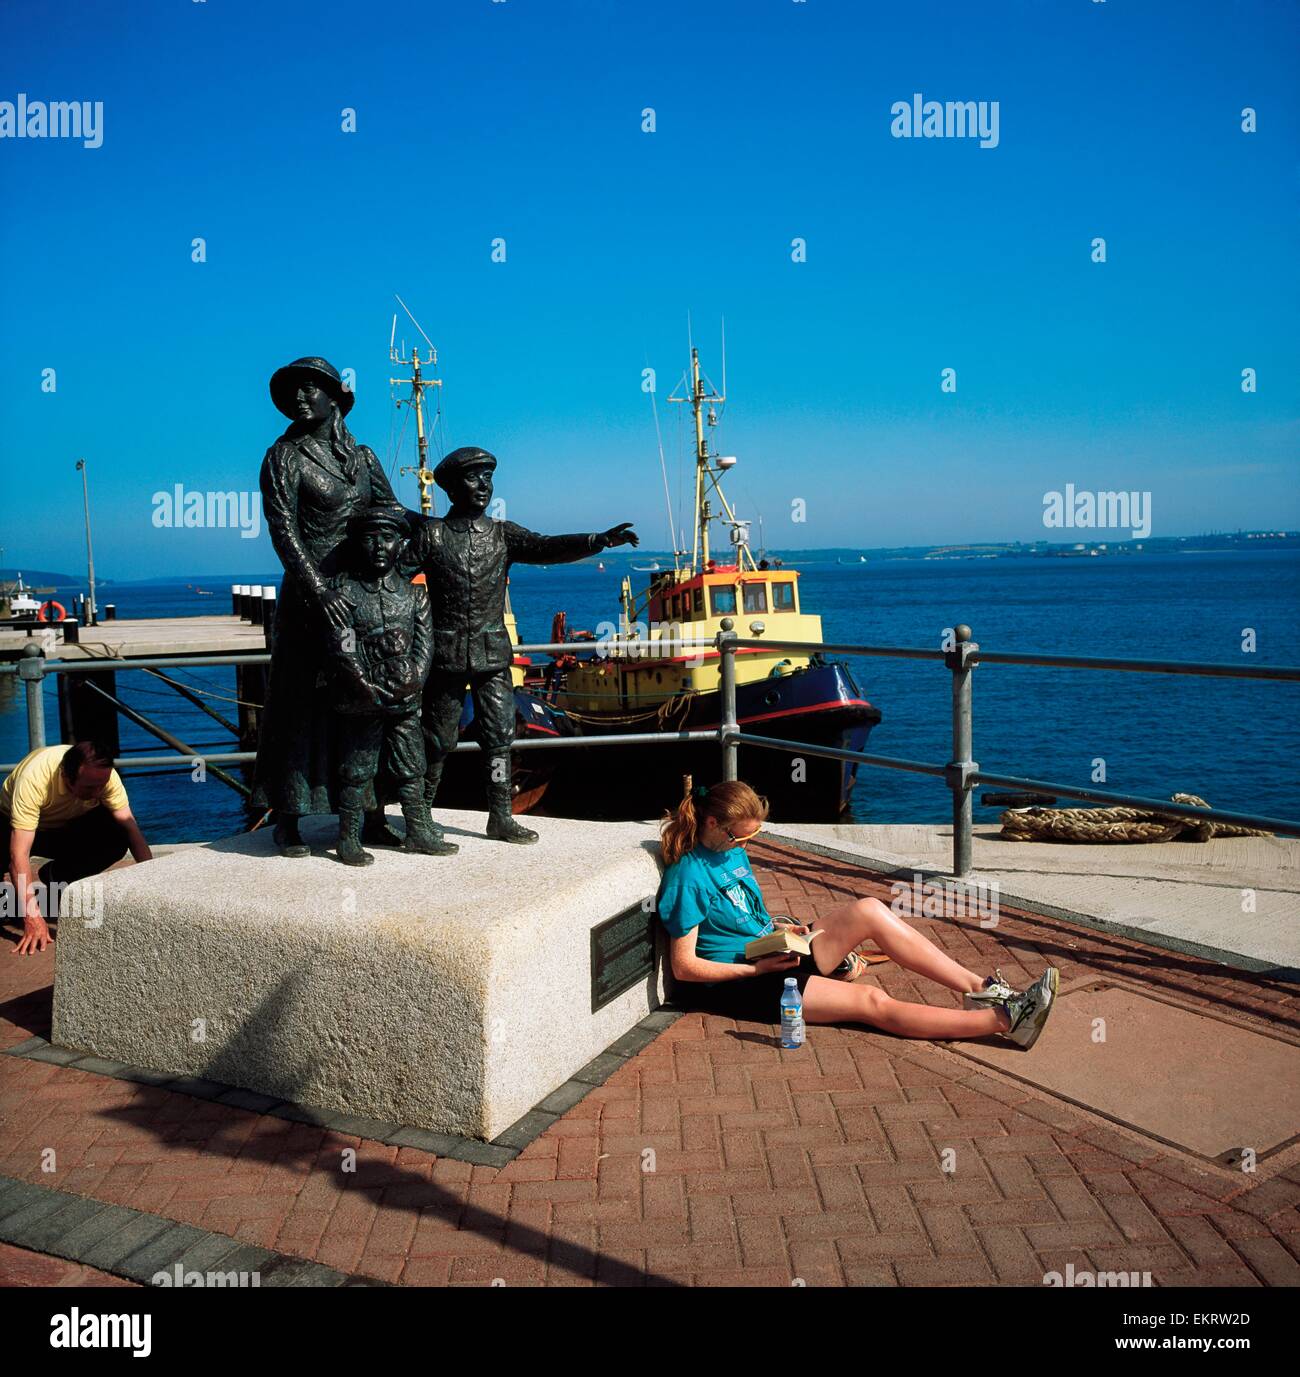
[712, 906]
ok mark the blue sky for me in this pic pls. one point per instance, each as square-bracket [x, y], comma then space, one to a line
[522, 120]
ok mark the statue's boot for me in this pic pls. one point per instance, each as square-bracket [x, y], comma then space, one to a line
[287, 837]
[349, 847]
[432, 778]
[423, 835]
[501, 826]
[375, 831]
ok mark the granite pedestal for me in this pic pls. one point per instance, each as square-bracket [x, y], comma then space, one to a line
[450, 993]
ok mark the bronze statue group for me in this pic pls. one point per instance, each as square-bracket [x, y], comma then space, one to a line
[369, 671]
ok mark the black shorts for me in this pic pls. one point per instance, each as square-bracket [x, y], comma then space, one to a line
[756, 998]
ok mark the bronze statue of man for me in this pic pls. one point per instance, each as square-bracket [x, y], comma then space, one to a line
[465, 557]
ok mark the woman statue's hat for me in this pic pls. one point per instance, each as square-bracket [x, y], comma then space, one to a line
[284, 385]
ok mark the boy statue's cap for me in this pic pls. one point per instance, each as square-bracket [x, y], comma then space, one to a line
[467, 457]
[388, 516]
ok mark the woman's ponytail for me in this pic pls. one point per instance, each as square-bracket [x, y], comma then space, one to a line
[679, 829]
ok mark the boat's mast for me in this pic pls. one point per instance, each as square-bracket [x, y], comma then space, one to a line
[423, 476]
[703, 512]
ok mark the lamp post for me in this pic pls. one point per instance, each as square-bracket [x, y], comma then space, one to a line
[90, 553]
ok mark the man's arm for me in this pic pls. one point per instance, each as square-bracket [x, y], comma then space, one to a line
[528, 547]
[422, 642]
[134, 837]
[36, 935]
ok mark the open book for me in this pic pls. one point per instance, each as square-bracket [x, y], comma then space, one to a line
[779, 942]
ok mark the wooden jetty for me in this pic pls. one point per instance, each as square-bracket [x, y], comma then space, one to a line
[139, 638]
[88, 701]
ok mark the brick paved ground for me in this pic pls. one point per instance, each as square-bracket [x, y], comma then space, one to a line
[821, 1164]
[18, 1267]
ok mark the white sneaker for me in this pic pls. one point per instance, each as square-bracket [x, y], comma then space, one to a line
[995, 990]
[1028, 1012]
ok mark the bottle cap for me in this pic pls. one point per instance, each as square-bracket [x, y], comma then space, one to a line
[790, 980]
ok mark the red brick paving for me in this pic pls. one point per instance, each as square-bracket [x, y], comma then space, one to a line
[18, 1267]
[711, 1158]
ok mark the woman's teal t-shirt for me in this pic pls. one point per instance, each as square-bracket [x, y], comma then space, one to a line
[716, 892]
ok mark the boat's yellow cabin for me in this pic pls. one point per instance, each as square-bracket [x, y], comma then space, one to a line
[682, 605]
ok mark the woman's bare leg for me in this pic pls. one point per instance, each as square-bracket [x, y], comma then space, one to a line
[836, 1001]
[851, 924]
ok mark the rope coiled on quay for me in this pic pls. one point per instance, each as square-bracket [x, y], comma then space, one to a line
[1120, 824]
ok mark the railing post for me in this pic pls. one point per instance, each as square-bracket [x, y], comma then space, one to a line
[31, 670]
[960, 771]
[727, 722]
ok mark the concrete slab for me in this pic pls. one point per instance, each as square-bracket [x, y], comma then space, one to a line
[1198, 1083]
[1235, 900]
[448, 993]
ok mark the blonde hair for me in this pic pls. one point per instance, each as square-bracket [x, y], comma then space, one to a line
[727, 803]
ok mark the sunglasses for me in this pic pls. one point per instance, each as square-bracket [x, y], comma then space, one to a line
[749, 836]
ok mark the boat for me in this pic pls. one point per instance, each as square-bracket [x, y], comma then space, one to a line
[648, 568]
[462, 777]
[17, 602]
[779, 693]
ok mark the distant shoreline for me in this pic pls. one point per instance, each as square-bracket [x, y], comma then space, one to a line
[1240, 542]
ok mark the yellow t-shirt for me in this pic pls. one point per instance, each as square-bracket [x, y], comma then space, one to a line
[37, 794]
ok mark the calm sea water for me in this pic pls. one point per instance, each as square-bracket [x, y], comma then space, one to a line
[1233, 742]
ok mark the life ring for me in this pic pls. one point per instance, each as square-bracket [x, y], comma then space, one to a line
[46, 606]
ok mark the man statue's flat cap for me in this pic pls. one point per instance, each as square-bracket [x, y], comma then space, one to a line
[468, 457]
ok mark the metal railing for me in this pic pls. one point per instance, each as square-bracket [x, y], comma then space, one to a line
[961, 774]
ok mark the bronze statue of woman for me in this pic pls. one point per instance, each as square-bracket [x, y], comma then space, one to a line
[315, 477]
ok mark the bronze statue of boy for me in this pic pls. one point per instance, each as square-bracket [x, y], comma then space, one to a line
[465, 557]
[377, 671]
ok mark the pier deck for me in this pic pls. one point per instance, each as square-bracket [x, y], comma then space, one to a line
[1234, 900]
[823, 1165]
[143, 637]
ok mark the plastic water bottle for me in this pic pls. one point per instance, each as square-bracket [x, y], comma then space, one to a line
[792, 1030]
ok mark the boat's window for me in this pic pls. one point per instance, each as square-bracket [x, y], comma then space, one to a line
[699, 602]
[755, 597]
[783, 596]
[677, 607]
[723, 599]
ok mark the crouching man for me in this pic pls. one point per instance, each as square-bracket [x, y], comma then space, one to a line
[65, 803]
